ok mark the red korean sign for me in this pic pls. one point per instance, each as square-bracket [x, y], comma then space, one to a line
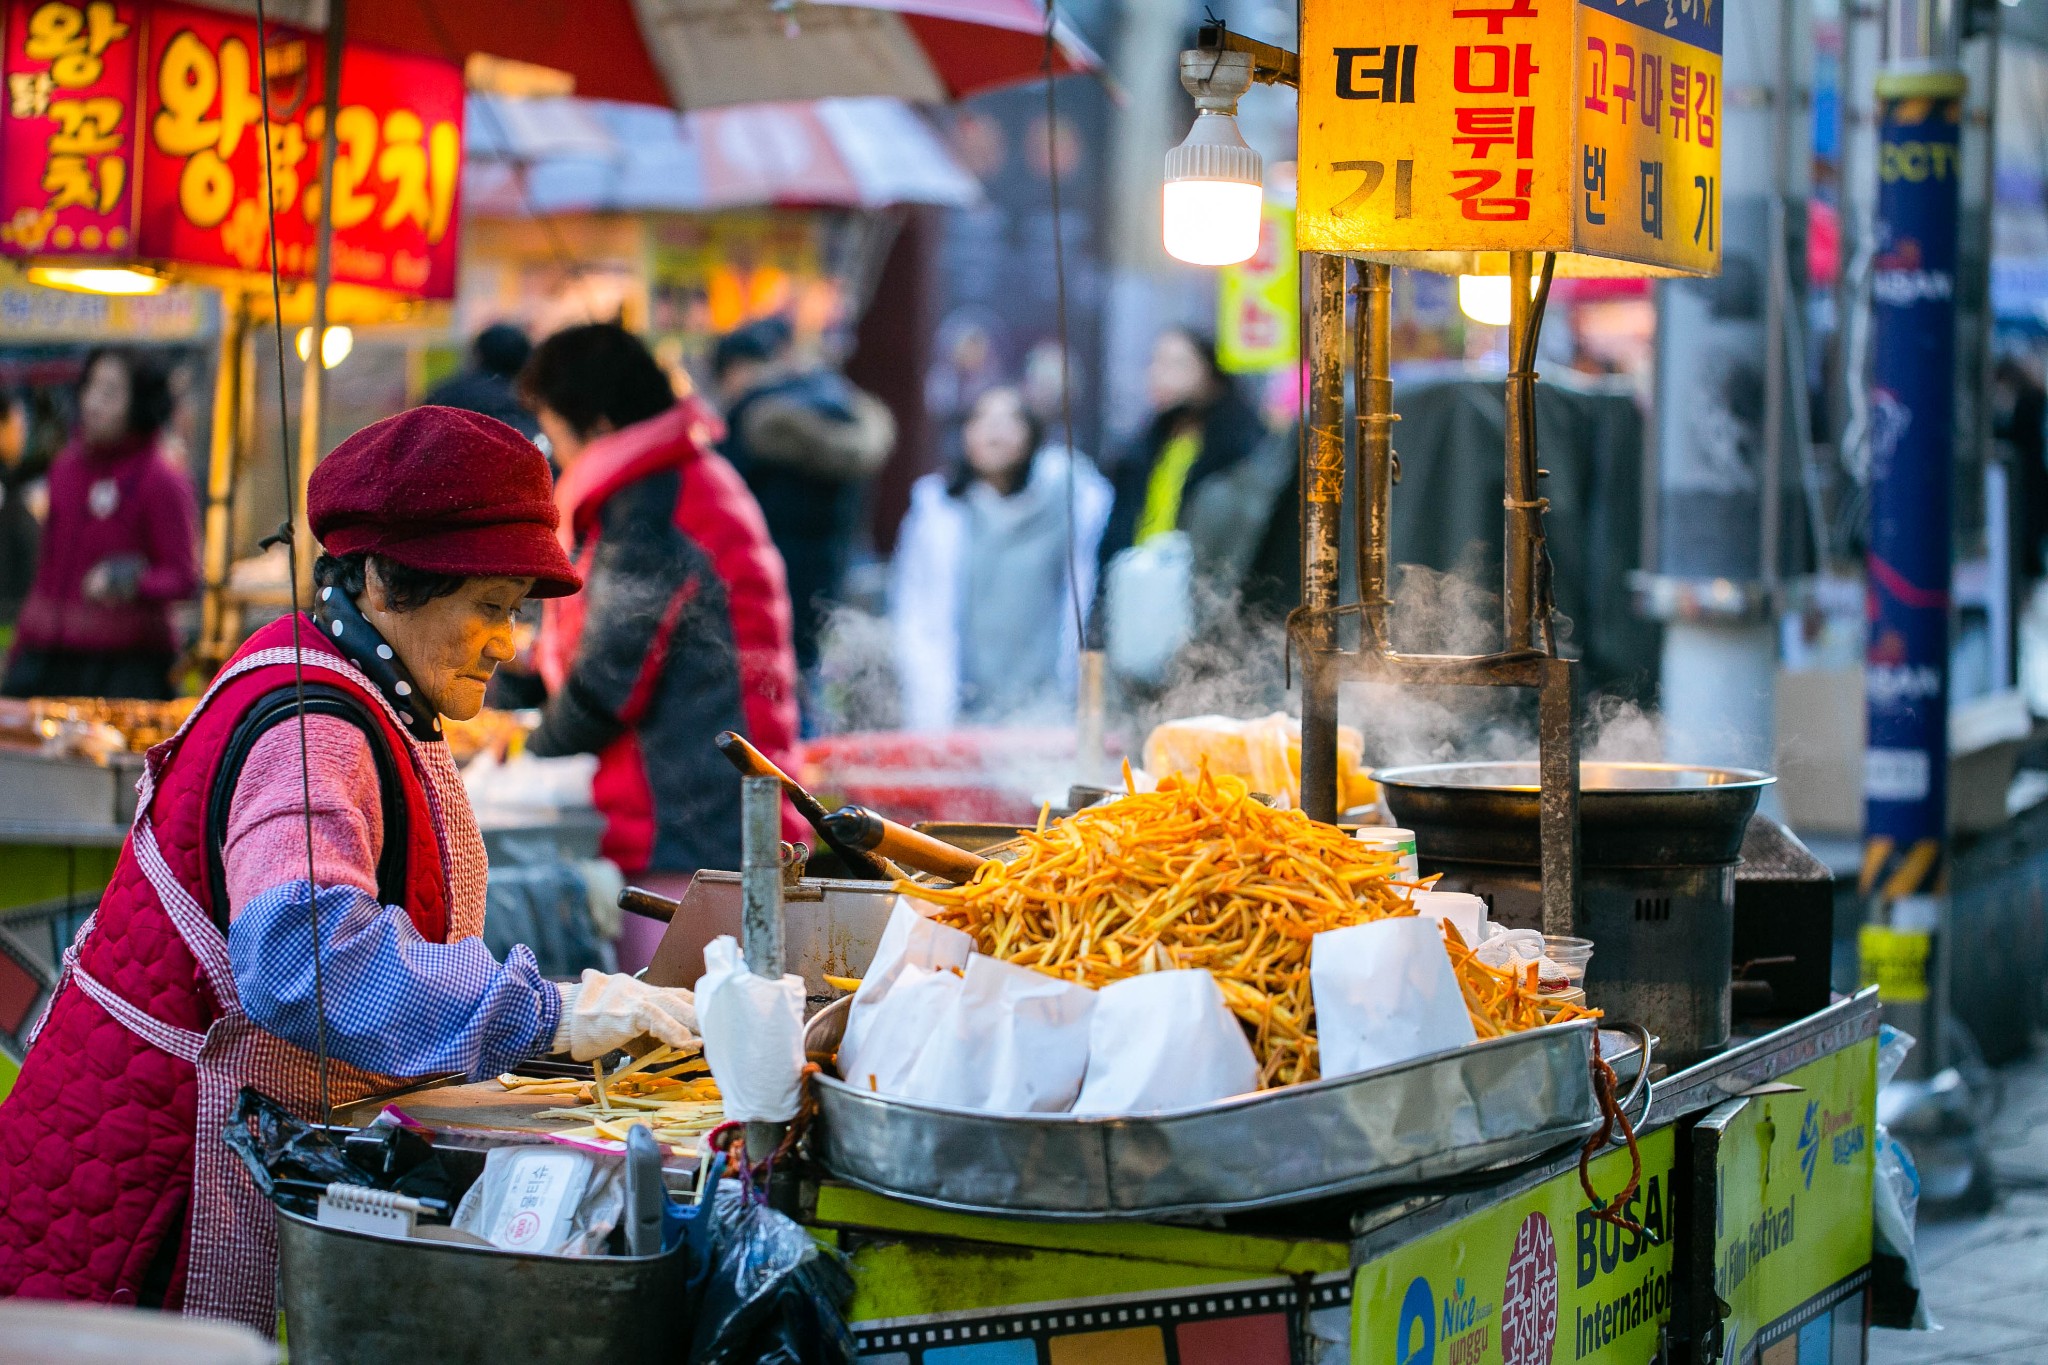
[136, 131]
[397, 169]
[67, 144]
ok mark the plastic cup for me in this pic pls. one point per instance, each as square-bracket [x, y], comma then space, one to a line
[1569, 957]
[1399, 840]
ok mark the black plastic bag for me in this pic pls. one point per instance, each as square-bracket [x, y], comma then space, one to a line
[290, 1160]
[293, 1162]
[774, 1296]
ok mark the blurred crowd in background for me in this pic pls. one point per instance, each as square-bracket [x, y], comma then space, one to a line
[1014, 551]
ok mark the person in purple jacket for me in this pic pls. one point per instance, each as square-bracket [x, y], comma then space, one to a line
[119, 552]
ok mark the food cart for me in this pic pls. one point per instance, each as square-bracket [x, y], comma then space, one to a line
[1498, 131]
[1596, 145]
[1558, 1192]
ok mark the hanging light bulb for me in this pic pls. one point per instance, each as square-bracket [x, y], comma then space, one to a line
[334, 347]
[1213, 187]
[1485, 299]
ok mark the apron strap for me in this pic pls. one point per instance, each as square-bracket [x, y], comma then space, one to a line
[179, 1042]
[63, 975]
[193, 924]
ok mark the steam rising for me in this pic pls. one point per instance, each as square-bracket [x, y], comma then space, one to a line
[1236, 666]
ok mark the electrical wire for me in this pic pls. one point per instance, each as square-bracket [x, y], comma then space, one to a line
[287, 536]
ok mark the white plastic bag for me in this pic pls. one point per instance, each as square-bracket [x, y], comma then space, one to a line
[1150, 606]
[909, 986]
[753, 1032]
[1164, 1041]
[1895, 1184]
[1013, 1041]
[544, 1200]
[1385, 992]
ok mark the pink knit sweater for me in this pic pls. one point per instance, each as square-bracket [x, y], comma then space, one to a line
[266, 840]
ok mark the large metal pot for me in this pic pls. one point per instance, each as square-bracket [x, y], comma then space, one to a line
[1658, 847]
[1630, 814]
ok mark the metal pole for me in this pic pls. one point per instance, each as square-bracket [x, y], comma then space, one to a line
[222, 451]
[1557, 732]
[313, 393]
[1518, 560]
[1777, 300]
[1088, 714]
[761, 875]
[1376, 418]
[1322, 511]
[761, 910]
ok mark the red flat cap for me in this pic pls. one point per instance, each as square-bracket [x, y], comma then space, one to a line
[444, 491]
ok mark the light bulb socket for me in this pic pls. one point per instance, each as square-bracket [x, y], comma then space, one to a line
[1215, 150]
[1215, 77]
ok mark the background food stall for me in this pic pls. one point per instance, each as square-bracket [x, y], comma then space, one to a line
[132, 172]
[688, 225]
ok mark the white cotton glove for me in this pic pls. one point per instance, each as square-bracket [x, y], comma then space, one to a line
[610, 1010]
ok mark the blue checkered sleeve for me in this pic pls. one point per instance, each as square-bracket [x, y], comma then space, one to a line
[395, 1003]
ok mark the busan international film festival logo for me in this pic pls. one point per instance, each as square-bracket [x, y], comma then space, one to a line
[1415, 1340]
[1528, 1297]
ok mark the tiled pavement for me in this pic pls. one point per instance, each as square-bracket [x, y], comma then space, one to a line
[1987, 1278]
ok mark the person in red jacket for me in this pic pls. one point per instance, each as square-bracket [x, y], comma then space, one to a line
[120, 549]
[683, 628]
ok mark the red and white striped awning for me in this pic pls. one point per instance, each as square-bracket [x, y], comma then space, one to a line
[544, 156]
[702, 54]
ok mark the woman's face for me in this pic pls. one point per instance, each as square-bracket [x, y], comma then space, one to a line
[103, 402]
[1177, 374]
[451, 645]
[996, 439]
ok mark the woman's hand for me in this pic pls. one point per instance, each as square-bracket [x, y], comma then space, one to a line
[611, 1010]
[114, 580]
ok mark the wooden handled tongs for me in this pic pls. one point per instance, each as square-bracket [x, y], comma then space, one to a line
[751, 762]
[874, 833]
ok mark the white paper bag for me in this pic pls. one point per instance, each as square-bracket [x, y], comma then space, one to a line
[909, 985]
[753, 1031]
[1013, 1041]
[897, 1028]
[1164, 1041]
[1384, 992]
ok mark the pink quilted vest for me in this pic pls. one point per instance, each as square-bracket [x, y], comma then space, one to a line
[104, 1132]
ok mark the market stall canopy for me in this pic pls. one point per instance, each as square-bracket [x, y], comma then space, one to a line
[581, 156]
[701, 54]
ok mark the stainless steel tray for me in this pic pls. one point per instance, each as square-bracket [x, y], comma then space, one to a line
[1454, 1113]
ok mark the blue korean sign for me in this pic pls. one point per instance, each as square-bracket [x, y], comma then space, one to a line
[1913, 310]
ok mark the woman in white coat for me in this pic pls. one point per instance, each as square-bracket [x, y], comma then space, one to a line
[982, 591]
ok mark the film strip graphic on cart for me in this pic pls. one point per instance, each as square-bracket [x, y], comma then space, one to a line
[1253, 1323]
[1830, 1326]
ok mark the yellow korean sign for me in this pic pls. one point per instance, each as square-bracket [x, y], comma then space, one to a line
[1437, 131]
[1258, 303]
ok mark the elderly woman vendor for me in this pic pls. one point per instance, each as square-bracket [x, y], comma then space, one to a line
[197, 976]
